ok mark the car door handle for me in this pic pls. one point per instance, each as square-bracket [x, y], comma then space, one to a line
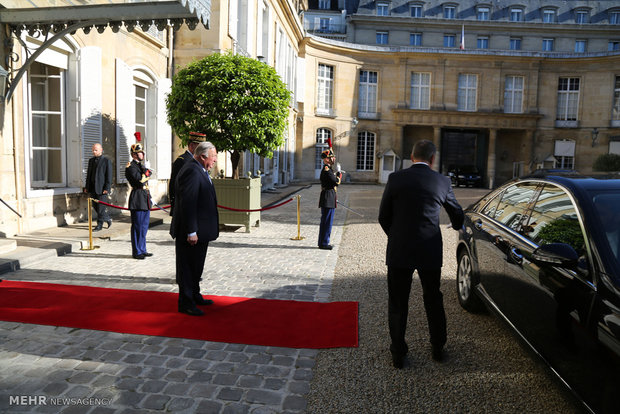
[516, 256]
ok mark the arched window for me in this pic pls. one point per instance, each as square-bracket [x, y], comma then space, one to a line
[365, 151]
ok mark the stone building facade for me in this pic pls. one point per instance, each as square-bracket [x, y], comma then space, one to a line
[507, 87]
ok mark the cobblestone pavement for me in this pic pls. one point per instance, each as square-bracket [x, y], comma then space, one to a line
[107, 372]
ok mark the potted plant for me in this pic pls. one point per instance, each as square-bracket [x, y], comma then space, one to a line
[241, 104]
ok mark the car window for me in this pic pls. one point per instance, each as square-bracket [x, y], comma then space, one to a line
[608, 208]
[554, 219]
[514, 203]
[490, 207]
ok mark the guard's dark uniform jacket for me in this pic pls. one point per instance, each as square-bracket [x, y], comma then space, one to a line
[139, 198]
[329, 182]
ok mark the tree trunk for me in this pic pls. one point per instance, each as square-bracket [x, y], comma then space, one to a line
[234, 159]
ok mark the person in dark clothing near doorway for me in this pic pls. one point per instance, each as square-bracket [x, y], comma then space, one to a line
[98, 184]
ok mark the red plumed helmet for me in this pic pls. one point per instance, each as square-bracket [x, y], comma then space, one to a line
[138, 136]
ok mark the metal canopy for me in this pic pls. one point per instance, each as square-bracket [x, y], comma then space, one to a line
[28, 14]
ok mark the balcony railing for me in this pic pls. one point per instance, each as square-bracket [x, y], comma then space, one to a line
[318, 28]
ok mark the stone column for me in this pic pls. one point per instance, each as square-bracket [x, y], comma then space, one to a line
[491, 158]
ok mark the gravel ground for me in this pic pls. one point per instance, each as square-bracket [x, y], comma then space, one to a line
[486, 369]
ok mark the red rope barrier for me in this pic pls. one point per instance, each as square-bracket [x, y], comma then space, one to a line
[257, 209]
[225, 208]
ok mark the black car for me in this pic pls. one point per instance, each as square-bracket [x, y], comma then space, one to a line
[542, 253]
[467, 175]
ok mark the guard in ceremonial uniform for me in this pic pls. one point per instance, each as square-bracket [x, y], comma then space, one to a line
[195, 138]
[139, 201]
[327, 200]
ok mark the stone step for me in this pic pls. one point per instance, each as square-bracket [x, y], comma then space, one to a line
[7, 245]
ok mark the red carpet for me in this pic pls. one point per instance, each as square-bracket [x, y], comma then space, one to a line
[284, 323]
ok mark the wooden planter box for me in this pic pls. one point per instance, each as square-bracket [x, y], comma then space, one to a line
[243, 194]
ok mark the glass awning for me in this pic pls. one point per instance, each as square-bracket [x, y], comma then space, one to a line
[26, 14]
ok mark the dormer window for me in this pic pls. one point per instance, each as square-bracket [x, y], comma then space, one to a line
[549, 15]
[324, 4]
[383, 9]
[483, 12]
[516, 14]
[416, 10]
[582, 16]
[614, 16]
[449, 11]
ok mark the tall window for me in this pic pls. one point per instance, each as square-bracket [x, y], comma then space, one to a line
[420, 90]
[580, 46]
[549, 15]
[449, 40]
[47, 126]
[515, 43]
[141, 115]
[582, 16]
[324, 24]
[416, 10]
[449, 12]
[324, 4]
[516, 15]
[382, 38]
[415, 39]
[613, 45]
[322, 136]
[368, 93]
[564, 153]
[482, 42]
[325, 89]
[383, 9]
[365, 151]
[614, 17]
[482, 13]
[468, 85]
[568, 99]
[513, 95]
[547, 45]
[615, 112]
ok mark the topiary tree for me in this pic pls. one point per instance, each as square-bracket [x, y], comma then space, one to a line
[239, 102]
[607, 162]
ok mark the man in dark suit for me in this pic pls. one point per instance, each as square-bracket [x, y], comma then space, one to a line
[139, 201]
[98, 183]
[327, 199]
[409, 215]
[195, 223]
[195, 138]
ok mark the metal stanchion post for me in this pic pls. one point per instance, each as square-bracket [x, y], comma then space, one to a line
[298, 219]
[90, 226]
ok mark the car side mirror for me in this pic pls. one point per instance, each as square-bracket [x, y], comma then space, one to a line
[556, 254]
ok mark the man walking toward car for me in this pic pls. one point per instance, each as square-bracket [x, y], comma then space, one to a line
[195, 223]
[409, 215]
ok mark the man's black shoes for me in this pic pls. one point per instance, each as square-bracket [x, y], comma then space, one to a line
[109, 222]
[194, 311]
[148, 254]
[203, 302]
[139, 257]
[99, 227]
[398, 360]
[437, 353]
[326, 247]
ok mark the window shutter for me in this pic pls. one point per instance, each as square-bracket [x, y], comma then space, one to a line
[90, 101]
[125, 117]
[233, 18]
[164, 132]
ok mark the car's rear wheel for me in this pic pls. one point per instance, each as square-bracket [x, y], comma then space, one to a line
[466, 281]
